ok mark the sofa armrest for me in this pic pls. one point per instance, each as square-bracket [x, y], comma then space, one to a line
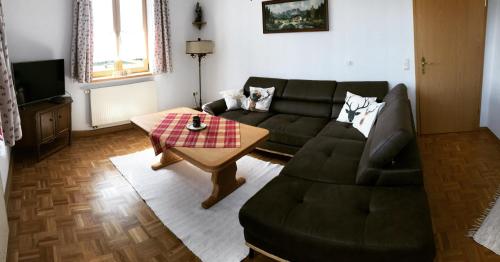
[215, 108]
[404, 177]
[405, 170]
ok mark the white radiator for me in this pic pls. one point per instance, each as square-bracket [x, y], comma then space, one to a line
[117, 104]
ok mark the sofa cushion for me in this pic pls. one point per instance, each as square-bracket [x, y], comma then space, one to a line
[279, 148]
[341, 130]
[328, 160]
[306, 98]
[301, 220]
[364, 89]
[310, 90]
[293, 129]
[247, 117]
[303, 108]
[265, 82]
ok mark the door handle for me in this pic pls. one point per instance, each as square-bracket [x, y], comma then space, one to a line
[424, 63]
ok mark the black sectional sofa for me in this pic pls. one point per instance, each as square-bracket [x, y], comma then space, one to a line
[341, 197]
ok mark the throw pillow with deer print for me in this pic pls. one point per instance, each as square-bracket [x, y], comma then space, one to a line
[259, 100]
[367, 117]
[354, 106]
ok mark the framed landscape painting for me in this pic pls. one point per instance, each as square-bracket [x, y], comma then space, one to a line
[285, 16]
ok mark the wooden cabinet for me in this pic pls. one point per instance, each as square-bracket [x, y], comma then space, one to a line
[63, 120]
[46, 122]
[46, 127]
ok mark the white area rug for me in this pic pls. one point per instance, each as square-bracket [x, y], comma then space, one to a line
[175, 195]
[487, 230]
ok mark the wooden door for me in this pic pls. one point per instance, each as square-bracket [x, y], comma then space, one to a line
[449, 49]
[62, 119]
[47, 126]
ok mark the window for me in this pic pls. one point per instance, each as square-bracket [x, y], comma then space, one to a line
[120, 38]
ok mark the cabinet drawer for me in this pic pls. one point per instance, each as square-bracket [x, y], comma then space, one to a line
[47, 126]
[62, 119]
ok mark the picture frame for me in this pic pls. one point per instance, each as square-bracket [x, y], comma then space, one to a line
[290, 16]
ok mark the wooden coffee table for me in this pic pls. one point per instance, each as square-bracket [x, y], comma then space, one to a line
[221, 162]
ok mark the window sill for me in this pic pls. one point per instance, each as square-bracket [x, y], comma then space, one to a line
[113, 78]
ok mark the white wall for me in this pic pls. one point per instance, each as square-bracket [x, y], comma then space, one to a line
[4, 163]
[377, 36]
[491, 83]
[38, 30]
[4, 226]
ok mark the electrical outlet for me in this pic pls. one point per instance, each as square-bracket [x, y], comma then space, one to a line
[406, 65]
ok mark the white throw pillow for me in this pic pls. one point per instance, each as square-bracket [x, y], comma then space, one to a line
[244, 103]
[367, 117]
[259, 100]
[353, 106]
[233, 98]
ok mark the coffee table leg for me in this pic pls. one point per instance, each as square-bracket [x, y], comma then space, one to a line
[167, 158]
[224, 183]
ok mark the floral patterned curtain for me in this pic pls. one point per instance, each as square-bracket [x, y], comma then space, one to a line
[10, 127]
[163, 53]
[82, 44]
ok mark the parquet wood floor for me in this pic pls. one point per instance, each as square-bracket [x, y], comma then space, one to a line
[462, 174]
[75, 206]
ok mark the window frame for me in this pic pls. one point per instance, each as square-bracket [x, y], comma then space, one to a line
[118, 65]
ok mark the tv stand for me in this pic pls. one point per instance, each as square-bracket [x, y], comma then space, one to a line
[59, 99]
[46, 127]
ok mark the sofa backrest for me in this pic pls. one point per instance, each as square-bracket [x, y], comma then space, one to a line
[314, 98]
[366, 89]
[397, 92]
[391, 153]
[265, 82]
[306, 97]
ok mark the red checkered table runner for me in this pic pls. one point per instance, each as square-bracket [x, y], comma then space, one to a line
[172, 132]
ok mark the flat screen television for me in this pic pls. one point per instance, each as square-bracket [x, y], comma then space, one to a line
[38, 80]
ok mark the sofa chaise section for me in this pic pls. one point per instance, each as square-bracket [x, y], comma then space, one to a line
[325, 159]
[302, 220]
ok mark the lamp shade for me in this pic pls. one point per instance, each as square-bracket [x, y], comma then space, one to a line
[199, 47]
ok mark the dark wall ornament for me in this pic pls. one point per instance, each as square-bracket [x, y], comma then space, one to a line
[287, 16]
[199, 13]
[198, 19]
